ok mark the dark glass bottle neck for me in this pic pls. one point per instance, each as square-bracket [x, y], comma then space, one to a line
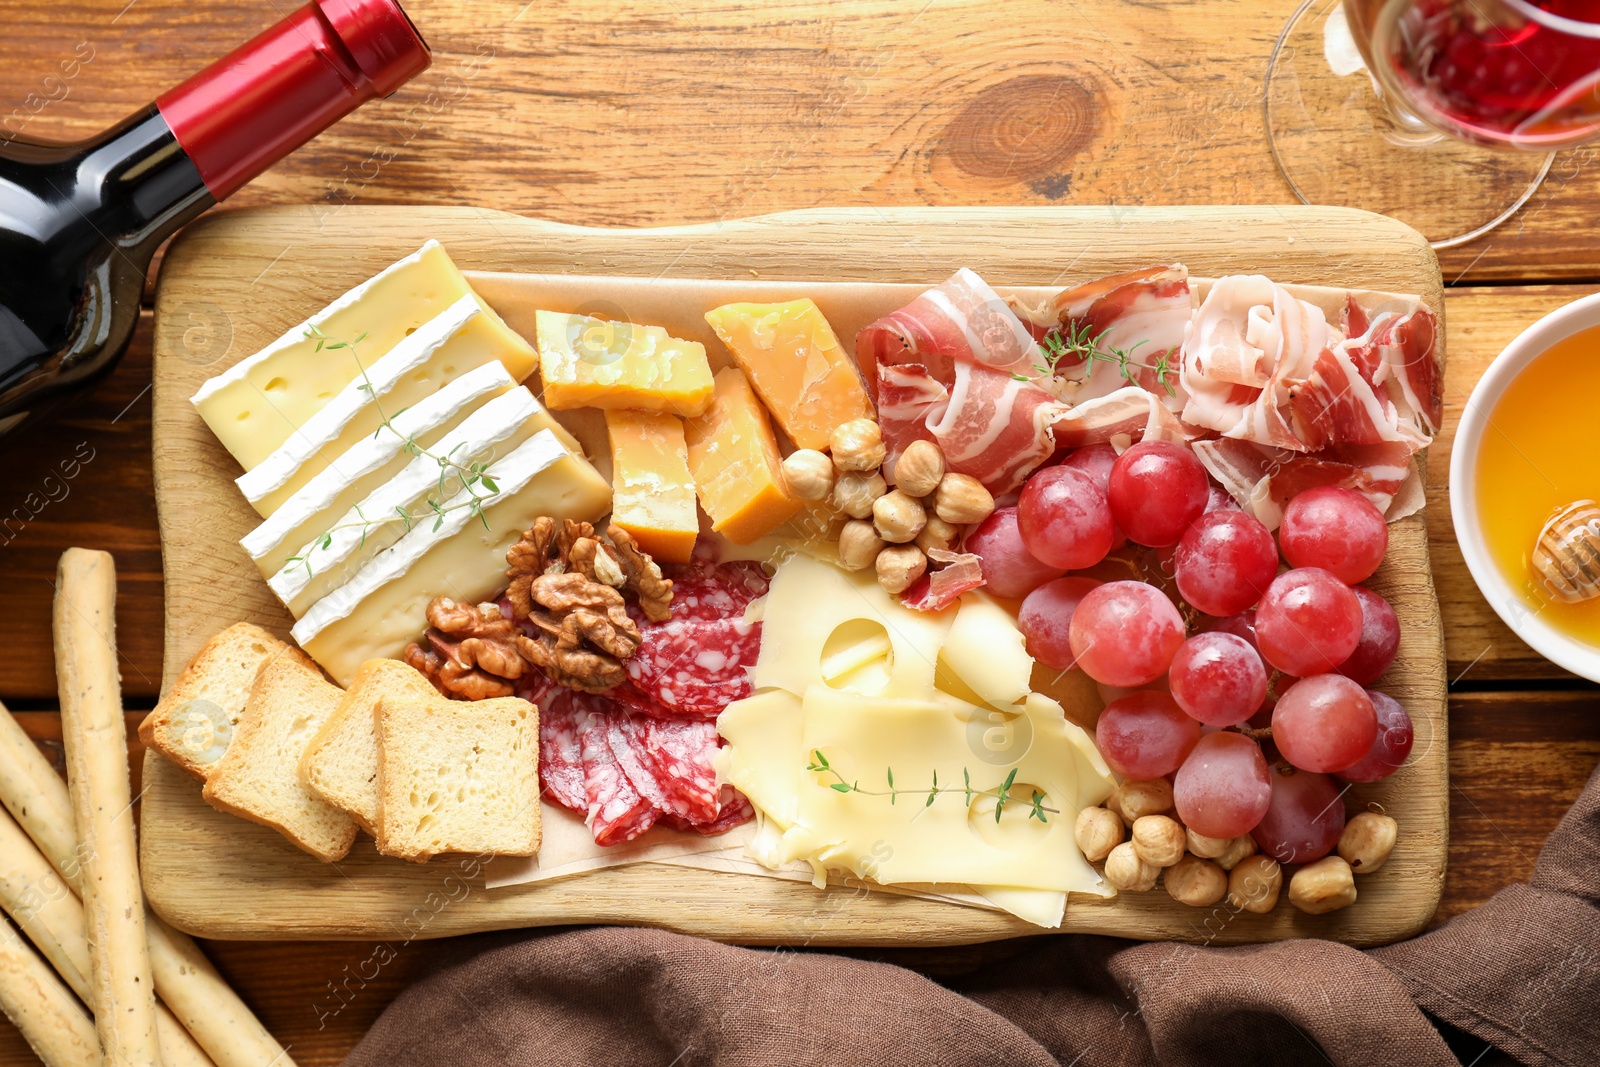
[148, 186]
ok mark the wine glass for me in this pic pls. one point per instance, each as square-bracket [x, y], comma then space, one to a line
[1453, 125]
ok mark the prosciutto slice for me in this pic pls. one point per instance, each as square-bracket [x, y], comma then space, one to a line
[1263, 479]
[1143, 313]
[1129, 414]
[1396, 355]
[961, 320]
[988, 424]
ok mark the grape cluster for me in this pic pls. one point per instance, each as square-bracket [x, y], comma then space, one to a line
[1244, 678]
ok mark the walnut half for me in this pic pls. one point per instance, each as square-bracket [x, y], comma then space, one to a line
[471, 652]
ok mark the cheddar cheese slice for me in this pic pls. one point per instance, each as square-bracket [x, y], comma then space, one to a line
[796, 364]
[738, 471]
[589, 362]
[652, 490]
[257, 403]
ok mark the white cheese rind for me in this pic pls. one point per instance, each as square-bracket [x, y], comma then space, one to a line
[382, 608]
[322, 565]
[372, 461]
[257, 403]
[459, 339]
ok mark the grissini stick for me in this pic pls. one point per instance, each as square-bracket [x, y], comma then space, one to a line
[49, 912]
[185, 980]
[52, 1021]
[122, 992]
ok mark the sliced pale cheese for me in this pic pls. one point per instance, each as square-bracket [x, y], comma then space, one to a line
[462, 556]
[590, 362]
[373, 523]
[763, 758]
[459, 339]
[796, 363]
[373, 460]
[257, 403]
[652, 490]
[811, 600]
[983, 655]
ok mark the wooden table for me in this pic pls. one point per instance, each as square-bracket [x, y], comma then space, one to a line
[642, 114]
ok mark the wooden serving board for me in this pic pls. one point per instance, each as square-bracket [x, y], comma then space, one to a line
[236, 280]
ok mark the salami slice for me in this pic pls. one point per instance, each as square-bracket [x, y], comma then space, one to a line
[631, 749]
[626, 696]
[562, 714]
[679, 752]
[735, 810]
[615, 811]
[718, 592]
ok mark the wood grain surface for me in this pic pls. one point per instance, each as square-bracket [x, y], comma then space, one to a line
[218, 876]
[643, 113]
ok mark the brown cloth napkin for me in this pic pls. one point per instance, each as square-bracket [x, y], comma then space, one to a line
[1521, 973]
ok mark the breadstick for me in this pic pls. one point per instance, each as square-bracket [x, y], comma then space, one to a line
[122, 993]
[212, 1012]
[52, 1021]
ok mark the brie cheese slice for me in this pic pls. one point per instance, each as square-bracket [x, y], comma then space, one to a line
[461, 555]
[458, 339]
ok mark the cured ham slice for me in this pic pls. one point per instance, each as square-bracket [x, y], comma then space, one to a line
[1142, 313]
[961, 320]
[988, 424]
[1396, 355]
[1127, 415]
[1336, 404]
[1263, 479]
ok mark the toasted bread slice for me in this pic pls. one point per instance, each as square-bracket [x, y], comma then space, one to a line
[341, 765]
[457, 776]
[258, 778]
[195, 721]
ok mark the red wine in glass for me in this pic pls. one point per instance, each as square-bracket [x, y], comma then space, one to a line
[1504, 73]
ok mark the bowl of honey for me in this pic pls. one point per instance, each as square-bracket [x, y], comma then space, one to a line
[1525, 486]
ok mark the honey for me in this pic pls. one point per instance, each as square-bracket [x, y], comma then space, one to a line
[1539, 453]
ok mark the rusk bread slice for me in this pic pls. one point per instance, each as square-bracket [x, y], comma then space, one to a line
[458, 776]
[341, 765]
[258, 778]
[195, 721]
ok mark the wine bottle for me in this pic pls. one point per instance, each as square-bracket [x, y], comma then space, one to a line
[80, 222]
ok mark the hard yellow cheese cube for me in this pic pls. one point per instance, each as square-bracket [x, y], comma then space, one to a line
[652, 492]
[737, 468]
[794, 361]
[589, 362]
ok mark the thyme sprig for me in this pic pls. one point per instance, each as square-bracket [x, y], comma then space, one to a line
[1082, 344]
[470, 476]
[1037, 807]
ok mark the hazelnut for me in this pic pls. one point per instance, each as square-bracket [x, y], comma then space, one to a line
[1113, 804]
[1240, 847]
[1207, 847]
[1367, 841]
[1127, 872]
[1324, 886]
[857, 445]
[1098, 831]
[898, 517]
[1196, 882]
[919, 468]
[809, 474]
[1140, 798]
[854, 492]
[1254, 884]
[859, 544]
[962, 499]
[1158, 839]
[936, 534]
[899, 566]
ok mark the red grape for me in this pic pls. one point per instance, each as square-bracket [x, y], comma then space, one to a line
[1219, 679]
[1390, 747]
[1125, 633]
[1045, 620]
[1336, 529]
[1064, 519]
[1224, 562]
[1157, 489]
[1145, 735]
[1304, 817]
[1009, 569]
[1094, 460]
[1324, 723]
[1380, 639]
[1309, 622]
[1240, 625]
[1219, 500]
[1222, 789]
